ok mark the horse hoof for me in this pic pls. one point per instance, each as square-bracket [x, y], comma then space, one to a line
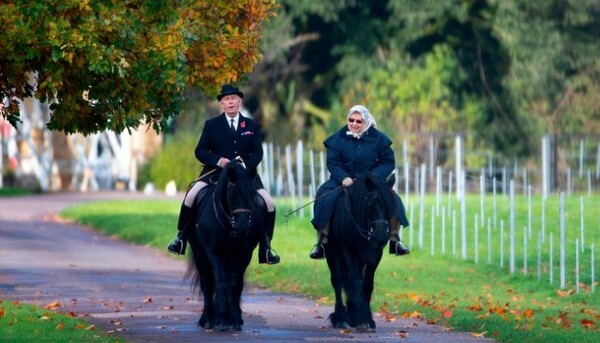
[207, 325]
[341, 325]
[228, 328]
[364, 328]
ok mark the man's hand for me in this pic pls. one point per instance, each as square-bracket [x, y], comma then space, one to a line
[347, 182]
[240, 161]
[223, 162]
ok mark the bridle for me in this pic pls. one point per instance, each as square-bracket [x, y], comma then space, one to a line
[365, 233]
[229, 215]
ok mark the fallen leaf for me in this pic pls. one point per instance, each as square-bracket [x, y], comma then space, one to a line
[588, 324]
[528, 313]
[168, 307]
[478, 335]
[413, 296]
[564, 293]
[390, 318]
[147, 300]
[447, 314]
[498, 310]
[44, 317]
[345, 331]
[91, 327]
[475, 307]
[483, 316]
[53, 305]
[402, 334]
[60, 326]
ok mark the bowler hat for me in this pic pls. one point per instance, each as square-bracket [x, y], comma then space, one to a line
[228, 90]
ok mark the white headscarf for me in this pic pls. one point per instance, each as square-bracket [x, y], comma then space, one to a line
[368, 120]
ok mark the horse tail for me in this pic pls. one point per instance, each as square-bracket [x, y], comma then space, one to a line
[193, 272]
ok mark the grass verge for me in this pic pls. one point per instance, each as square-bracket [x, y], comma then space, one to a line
[30, 323]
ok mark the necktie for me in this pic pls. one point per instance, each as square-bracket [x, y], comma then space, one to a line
[232, 126]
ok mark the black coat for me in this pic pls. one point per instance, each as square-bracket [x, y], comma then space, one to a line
[351, 157]
[217, 140]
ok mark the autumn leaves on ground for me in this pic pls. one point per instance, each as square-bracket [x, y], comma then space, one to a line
[23, 323]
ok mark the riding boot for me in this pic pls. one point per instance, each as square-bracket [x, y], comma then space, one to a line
[265, 253]
[178, 244]
[397, 247]
[318, 251]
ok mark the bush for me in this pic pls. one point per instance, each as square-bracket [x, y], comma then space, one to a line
[175, 161]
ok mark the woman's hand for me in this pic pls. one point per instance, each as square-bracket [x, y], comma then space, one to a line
[347, 182]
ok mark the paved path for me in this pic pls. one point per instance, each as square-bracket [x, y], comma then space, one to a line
[138, 293]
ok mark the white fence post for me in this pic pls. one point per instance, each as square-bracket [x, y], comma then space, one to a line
[511, 224]
[562, 242]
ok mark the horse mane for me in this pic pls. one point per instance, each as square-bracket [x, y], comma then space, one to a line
[235, 173]
[357, 196]
[387, 196]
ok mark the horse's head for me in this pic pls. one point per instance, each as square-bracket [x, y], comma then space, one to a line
[380, 207]
[239, 200]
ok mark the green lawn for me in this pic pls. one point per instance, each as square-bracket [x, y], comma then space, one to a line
[29, 323]
[442, 288]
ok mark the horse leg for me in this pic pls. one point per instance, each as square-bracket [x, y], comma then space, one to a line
[359, 312]
[207, 286]
[339, 317]
[207, 319]
[227, 298]
[369, 277]
[235, 305]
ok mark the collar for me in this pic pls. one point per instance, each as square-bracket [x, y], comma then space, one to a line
[236, 119]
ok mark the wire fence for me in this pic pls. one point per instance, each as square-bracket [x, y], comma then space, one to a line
[505, 216]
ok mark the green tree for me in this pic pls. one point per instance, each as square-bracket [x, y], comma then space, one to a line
[117, 64]
[505, 71]
[555, 70]
[415, 96]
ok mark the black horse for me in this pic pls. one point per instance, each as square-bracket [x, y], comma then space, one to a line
[359, 230]
[228, 228]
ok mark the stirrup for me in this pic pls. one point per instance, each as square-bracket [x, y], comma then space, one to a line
[269, 256]
[177, 246]
[398, 248]
[318, 252]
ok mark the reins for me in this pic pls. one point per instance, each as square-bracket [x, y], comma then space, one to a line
[199, 178]
[366, 234]
[310, 202]
[230, 216]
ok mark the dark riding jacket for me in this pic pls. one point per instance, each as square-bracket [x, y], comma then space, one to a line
[353, 157]
[217, 140]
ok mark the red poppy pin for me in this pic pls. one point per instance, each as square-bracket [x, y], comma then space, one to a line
[243, 124]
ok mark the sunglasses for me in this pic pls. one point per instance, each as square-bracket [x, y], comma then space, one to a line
[358, 121]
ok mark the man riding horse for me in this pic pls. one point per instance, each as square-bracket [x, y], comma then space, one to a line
[225, 138]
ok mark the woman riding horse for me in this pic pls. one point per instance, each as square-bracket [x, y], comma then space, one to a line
[355, 150]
